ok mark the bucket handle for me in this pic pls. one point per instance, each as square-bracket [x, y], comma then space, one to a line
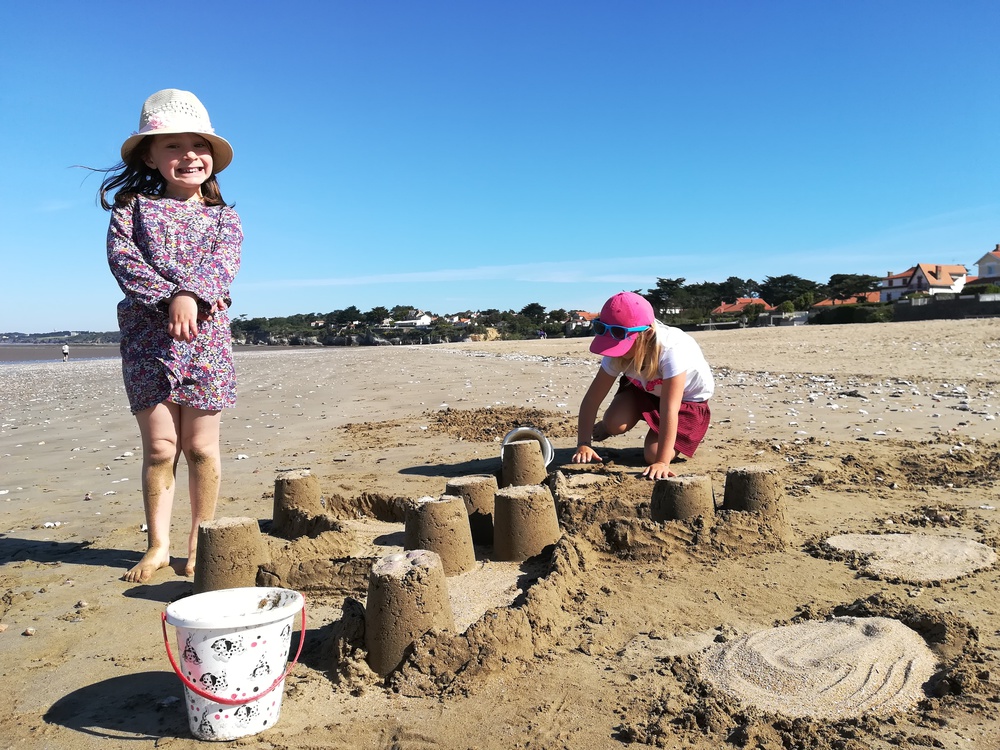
[232, 701]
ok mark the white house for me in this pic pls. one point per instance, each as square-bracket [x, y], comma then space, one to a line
[929, 278]
[989, 267]
[421, 320]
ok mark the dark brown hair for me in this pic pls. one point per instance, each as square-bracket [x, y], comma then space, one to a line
[133, 177]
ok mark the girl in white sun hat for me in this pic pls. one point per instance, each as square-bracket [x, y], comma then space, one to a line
[665, 381]
[174, 248]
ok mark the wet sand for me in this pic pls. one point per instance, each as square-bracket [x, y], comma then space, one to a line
[874, 429]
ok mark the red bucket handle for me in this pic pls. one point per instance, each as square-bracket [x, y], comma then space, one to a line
[232, 701]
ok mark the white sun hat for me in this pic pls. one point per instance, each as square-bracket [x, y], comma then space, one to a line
[176, 111]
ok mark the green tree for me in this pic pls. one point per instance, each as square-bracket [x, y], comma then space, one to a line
[376, 315]
[734, 287]
[533, 312]
[669, 294]
[347, 316]
[778, 289]
[753, 311]
[844, 286]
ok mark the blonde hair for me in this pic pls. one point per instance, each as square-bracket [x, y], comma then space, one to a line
[644, 357]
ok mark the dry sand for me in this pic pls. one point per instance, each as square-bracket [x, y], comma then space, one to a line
[886, 429]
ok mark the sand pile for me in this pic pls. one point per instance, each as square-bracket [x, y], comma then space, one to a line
[836, 669]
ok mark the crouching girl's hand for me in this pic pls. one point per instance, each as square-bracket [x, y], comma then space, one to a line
[658, 470]
[585, 454]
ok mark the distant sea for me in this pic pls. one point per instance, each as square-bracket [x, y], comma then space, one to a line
[41, 353]
[31, 353]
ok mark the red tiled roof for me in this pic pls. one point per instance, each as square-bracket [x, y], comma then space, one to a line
[864, 297]
[731, 308]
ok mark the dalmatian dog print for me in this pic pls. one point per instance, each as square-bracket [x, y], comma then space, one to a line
[226, 648]
[190, 654]
[245, 713]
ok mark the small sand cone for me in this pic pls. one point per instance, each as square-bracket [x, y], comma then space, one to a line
[296, 490]
[525, 522]
[230, 550]
[441, 526]
[407, 596]
[755, 488]
[479, 494]
[522, 463]
[681, 498]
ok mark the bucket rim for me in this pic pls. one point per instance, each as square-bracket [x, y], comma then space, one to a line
[233, 608]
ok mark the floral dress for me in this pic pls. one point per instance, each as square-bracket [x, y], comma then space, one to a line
[156, 248]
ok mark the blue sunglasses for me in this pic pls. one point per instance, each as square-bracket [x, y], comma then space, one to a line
[618, 333]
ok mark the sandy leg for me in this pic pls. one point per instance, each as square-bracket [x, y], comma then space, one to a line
[200, 442]
[159, 426]
[158, 499]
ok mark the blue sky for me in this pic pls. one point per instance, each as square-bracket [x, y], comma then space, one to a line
[474, 154]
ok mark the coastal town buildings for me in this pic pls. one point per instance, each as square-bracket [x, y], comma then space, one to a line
[929, 278]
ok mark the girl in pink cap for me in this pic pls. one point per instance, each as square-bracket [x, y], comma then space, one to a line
[665, 381]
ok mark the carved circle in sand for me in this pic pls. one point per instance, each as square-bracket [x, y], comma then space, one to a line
[832, 669]
[915, 558]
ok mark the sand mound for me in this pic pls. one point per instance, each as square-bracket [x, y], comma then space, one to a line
[835, 669]
[915, 558]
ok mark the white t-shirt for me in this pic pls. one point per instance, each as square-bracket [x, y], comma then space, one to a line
[679, 352]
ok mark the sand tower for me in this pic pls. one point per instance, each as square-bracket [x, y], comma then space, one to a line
[479, 494]
[522, 464]
[441, 525]
[296, 493]
[681, 498]
[756, 488]
[230, 550]
[525, 522]
[407, 596]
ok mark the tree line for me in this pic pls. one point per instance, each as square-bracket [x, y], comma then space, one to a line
[674, 301]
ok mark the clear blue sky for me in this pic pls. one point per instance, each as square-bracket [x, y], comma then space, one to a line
[467, 155]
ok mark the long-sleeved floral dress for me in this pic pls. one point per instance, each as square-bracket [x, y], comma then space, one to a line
[156, 248]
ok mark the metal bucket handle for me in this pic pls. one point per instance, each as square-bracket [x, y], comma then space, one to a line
[232, 701]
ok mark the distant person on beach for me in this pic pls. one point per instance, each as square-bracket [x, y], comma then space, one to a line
[174, 248]
[665, 381]
[65, 352]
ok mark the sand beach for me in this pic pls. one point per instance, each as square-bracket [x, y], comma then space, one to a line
[864, 614]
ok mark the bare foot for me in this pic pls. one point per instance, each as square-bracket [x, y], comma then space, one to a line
[189, 567]
[152, 561]
[600, 432]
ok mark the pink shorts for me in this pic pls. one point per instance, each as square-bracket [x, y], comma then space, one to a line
[692, 420]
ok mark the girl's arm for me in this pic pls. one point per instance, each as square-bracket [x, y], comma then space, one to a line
[671, 395]
[210, 280]
[599, 388]
[134, 274]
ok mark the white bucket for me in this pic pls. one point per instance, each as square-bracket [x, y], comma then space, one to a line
[234, 645]
[530, 433]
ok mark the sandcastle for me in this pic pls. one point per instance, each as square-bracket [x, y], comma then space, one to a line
[681, 498]
[441, 525]
[522, 464]
[525, 523]
[407, 596]
[230, 552]
[479, 493]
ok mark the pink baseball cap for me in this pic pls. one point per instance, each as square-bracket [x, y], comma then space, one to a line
[626, 309]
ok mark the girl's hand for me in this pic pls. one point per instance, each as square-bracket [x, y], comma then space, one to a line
[585, 454]
[658, 470]
[183, 317]
[219, 306]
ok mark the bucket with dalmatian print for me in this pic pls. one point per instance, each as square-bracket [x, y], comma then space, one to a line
[233, 646]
